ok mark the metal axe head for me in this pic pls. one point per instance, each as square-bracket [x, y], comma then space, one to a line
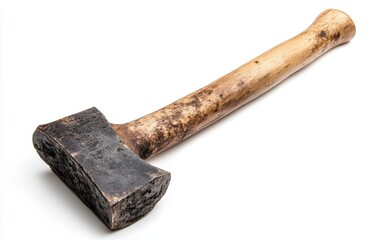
[84, 151]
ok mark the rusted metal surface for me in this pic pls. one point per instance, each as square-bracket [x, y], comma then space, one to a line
[84, 151]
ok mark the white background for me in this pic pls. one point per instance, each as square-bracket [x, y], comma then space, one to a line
[302, 162]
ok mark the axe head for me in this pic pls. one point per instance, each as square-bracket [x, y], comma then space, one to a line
[84, 151]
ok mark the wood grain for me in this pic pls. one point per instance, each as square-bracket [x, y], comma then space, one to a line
[166, 127]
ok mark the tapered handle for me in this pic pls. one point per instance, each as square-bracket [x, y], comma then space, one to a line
[164, 128]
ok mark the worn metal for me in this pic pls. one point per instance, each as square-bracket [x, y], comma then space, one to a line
[84, 151]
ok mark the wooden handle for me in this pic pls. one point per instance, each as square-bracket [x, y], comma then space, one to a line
[164, 128]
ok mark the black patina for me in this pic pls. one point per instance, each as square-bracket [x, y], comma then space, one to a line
[84, 151]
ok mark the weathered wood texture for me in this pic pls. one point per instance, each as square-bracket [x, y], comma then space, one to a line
[164, 128]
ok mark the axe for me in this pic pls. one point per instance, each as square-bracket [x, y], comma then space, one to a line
[103, 163]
